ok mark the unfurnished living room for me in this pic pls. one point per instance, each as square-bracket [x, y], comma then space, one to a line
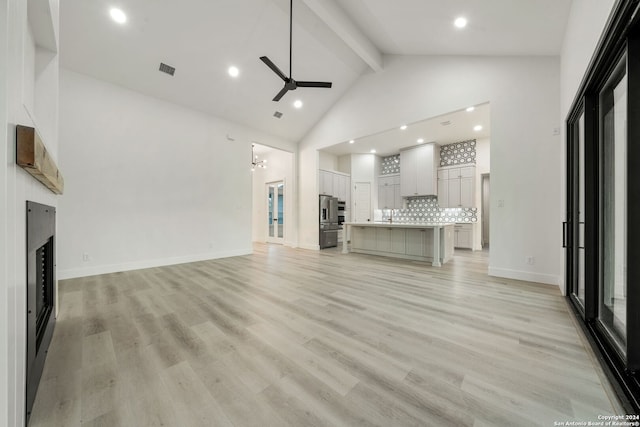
[319, 213]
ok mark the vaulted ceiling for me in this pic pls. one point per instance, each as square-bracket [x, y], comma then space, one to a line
[333, 40]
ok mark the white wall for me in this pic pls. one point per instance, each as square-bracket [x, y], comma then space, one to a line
[585, 25]
[281, 165]
[148, 183]
[328, 161]
[524, 96]
[28, 84]
[344, 164]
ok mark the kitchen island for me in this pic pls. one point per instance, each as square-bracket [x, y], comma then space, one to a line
[416, 241]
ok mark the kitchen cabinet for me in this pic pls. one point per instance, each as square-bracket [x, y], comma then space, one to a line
[389, 196]
[456, 187]
[363, 238]
[463, 236]
[390, 240]
[415, 243]
[326, 183]
[418, 170]
[335, 184]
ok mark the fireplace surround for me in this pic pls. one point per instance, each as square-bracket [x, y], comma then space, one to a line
[41, 292]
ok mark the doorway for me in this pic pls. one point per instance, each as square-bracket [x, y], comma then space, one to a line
[362, 202]
[275, 212]
[485, 209]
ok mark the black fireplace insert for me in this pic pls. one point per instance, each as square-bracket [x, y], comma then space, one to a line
[41, 297]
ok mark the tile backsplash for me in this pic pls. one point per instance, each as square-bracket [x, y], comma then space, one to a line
[426, 209]
[459, 153]
[391, 164]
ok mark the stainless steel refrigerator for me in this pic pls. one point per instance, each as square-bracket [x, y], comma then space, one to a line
[329, 225]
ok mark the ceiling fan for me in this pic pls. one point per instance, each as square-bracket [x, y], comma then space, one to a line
[289, 82]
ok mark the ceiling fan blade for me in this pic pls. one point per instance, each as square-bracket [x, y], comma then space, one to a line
[274, 68]
[281, 94]
[313, 84]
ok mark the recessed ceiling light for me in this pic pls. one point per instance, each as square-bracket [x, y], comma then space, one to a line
[118, 15]
[420, 140]
[477, 128]
[233, 71]
[403, 127]
[460, 22]
[351, 141]
[470, 109]
[297, 103]
[373, 151]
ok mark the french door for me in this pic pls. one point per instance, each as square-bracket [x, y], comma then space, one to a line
[603, 198]
[275, 212]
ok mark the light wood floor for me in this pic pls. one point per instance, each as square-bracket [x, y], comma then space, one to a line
[305, 338]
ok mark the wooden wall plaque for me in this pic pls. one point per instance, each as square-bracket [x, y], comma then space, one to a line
[33, 157]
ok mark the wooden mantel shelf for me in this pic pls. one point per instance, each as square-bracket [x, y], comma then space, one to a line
[33, 157]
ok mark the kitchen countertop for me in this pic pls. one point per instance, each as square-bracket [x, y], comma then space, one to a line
[399, 224]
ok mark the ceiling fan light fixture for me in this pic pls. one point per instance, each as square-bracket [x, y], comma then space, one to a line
[297, 104]
[289, 82]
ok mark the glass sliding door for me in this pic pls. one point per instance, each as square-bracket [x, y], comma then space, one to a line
[603, 198]
[612, 313]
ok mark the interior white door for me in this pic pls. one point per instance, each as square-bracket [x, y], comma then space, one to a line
[275, 212]
[362, 203]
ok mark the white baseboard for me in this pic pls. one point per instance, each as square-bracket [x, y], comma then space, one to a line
[73, 273]
[310, 247]
[547, 279]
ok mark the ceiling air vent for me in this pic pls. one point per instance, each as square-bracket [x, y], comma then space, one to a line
[277, 114]
[446, 123]
[167, 69]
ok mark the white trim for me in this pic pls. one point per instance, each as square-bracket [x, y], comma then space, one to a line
[310, 247]
[547, 279]
[139, 265]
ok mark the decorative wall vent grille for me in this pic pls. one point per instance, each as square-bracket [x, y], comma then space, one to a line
[168, 69]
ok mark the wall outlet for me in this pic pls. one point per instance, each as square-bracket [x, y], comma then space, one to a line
[86, 257]
[530, 260]
[501, 203]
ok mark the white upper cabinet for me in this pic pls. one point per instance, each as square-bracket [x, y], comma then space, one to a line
[389, 192]
[456, 187]
[418, 167]
[326, 183]
[335, 184]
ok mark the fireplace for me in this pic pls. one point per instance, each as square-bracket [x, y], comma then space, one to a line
[41, 226]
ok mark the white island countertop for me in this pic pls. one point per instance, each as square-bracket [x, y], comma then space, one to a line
[446, 228]
[399, 224]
